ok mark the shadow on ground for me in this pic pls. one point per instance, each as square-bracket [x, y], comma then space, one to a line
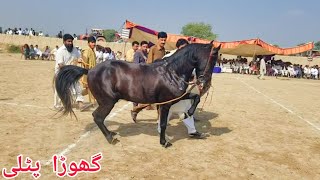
[204, 123]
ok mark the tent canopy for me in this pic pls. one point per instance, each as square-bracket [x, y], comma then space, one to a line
[246, 48]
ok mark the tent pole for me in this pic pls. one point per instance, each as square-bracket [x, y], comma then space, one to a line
[254, 52]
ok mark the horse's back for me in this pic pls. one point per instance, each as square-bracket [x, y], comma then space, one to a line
[120, 77]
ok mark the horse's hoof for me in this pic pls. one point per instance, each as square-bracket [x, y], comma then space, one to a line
[114, 141]
[134, 116]
[113, 133]
[166, 144]
[110, 140]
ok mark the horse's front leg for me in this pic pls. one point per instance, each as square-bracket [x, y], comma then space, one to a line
[196, 100]
[164, 110]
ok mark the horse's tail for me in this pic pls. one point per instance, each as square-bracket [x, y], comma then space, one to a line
[67, 77]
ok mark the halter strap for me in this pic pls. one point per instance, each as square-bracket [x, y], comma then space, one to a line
[210, 56]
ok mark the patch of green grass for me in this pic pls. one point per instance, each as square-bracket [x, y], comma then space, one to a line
[13, 48]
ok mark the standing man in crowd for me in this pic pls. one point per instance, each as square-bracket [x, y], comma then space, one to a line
[54, 52]
[130, 52]
[89, 61]
[263, 68]
[68, 55]
[141, 55]
[158, 51]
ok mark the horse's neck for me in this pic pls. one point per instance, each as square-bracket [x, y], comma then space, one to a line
[181, 69]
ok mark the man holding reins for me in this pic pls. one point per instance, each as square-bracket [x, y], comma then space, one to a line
[181, 108]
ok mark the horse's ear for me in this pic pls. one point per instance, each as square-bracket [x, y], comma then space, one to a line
[212, 42]
[218, 48]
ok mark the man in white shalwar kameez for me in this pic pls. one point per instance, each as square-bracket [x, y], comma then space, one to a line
[263, 68]
[68, 55]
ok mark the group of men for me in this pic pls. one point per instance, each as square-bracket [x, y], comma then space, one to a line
[69, 55]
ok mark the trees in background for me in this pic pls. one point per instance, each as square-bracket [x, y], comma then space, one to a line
[199, 30]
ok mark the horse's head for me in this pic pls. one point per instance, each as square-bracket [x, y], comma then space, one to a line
[201, 57]
[207, 57]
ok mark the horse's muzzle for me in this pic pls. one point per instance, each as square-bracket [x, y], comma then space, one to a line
[201, 82]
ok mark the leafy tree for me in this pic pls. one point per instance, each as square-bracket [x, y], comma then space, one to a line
[276, 45]
[317, 45]
[199, 30]
[109, 34]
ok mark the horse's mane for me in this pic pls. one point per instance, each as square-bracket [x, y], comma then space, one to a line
[179, 58]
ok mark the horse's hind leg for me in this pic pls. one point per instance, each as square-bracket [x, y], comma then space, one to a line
[99, 116]
[136, 110]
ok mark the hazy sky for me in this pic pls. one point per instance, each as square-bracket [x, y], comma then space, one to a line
[286, 23]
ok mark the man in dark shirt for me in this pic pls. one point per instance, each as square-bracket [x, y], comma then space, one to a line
[141, 55]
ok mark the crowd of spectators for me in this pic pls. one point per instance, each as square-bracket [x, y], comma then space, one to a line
[276, 68]
[24, 32]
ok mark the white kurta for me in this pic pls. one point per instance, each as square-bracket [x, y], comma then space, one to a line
[64, 57]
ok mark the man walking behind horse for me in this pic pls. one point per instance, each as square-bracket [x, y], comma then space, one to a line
[68, 55]
[89, 61]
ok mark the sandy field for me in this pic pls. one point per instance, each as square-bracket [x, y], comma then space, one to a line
[258, 129]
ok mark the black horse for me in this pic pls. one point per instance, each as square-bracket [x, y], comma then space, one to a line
[158, 82]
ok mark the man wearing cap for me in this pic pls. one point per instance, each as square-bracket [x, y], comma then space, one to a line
[157, 51]
[68, 55]
[89, 61]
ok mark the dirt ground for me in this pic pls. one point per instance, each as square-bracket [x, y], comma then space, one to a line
[258, 129]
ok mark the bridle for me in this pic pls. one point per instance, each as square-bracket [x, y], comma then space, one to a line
[193, 84]
[199, 81]
[207, 68]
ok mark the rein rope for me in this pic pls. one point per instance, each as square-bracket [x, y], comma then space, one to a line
[166, 102]
[177, 98]
[194, 84]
